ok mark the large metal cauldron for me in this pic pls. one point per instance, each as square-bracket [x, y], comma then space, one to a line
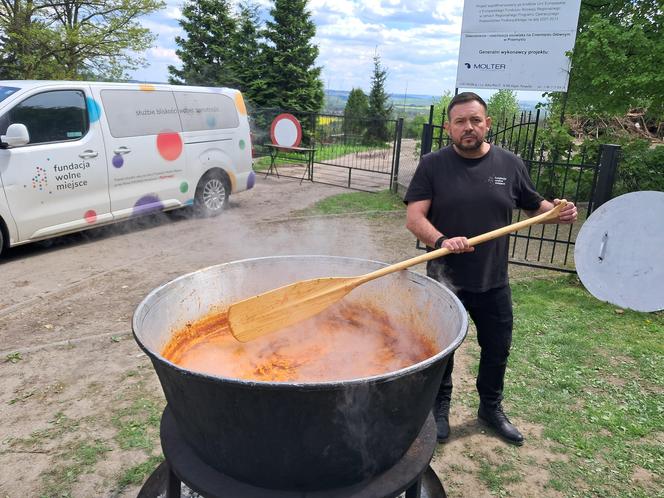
[297, 435]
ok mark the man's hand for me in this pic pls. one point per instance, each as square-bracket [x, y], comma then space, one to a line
[458, 245]
[568, 214]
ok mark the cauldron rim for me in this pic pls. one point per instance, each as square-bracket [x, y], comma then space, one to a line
[387, 376]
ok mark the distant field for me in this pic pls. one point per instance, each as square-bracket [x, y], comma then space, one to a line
[335, 101]
[411, 105]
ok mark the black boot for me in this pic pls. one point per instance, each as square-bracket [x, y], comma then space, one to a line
[494, 417]
[441, 412]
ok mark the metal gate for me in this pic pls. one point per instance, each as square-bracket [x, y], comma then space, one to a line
[359, 154]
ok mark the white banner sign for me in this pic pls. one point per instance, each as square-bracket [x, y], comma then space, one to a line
[517, 45]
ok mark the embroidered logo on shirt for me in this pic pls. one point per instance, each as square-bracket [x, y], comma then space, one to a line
[497, 180]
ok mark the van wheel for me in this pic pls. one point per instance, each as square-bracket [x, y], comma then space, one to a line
[2, 242]
[212, 194]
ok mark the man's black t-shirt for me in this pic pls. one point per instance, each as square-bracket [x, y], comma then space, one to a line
[470, 197]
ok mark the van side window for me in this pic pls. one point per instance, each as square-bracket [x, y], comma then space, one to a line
[53, 116]
[136, 113]
[206, 111]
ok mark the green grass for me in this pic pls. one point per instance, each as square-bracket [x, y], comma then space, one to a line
[58, 427]
[77, 453]
[323, 153]
[139, 473]
[137, 424]
[73, 456]
[355, 202]
[137, 428]
[497, 476]
[592, 376]
[80, 459]
[14, 357]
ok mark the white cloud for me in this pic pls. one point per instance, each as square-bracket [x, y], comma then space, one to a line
[162, 29]
[338, 6]
[161, 53]
[350, 28]
[173, 12]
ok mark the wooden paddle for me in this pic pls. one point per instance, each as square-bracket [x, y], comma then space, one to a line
[279, 308]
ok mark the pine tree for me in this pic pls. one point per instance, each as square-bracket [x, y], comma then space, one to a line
[207, 53]
[249, 57]
[355, 113]
[380, 110]
[292, 78]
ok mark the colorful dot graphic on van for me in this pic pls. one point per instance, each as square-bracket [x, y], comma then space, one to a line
[211, 121]
[118, 161]
[239, 103]
[184, 187]
[146, 87]
[40, 180]
[242, 144]
[146, 204]
[251, 180]
[169, 145]
[90, 216]
[94, 110]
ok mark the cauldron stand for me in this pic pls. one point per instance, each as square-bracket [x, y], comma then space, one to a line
[411, 474]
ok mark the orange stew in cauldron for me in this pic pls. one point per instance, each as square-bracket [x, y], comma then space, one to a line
[347, 341]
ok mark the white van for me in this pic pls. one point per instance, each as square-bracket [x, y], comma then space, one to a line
[76, 155]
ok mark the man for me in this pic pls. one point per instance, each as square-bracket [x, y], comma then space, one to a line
[458, 192]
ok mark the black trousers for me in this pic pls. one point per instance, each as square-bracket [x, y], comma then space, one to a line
[491, 311]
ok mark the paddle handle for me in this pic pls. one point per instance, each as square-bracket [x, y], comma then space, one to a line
[443, 251]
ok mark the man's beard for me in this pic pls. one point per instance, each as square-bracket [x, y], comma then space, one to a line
[468, 148]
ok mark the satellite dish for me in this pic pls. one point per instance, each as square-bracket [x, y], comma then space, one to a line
[619, 252]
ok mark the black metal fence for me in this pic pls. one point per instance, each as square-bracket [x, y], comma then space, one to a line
[582, 176]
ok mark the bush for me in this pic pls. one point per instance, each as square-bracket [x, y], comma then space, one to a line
[641, 167]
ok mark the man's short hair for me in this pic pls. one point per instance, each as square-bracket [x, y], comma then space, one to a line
[462, 98]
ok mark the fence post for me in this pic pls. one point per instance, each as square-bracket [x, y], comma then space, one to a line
[427, 138]
[532, 145]
[608, 165]
[394, 177]
[312, 140]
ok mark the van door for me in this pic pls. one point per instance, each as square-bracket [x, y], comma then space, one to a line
[56, 183]
[144, 148]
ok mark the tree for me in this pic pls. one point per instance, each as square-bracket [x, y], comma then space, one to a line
[291, 76]
[380, 108]
[355, 113]
[617, 59]
[440, 107]
[207, 53]
[73, 39]
[503, 106]
[26, 40]
[412, 127]
[249, 68]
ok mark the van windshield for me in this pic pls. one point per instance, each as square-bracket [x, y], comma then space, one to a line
[6, 91]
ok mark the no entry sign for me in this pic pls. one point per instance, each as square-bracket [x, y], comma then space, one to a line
[286, 131]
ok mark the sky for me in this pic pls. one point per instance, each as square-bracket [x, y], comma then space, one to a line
[417, 41]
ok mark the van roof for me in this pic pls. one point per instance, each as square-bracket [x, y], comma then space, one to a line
[28, 84]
